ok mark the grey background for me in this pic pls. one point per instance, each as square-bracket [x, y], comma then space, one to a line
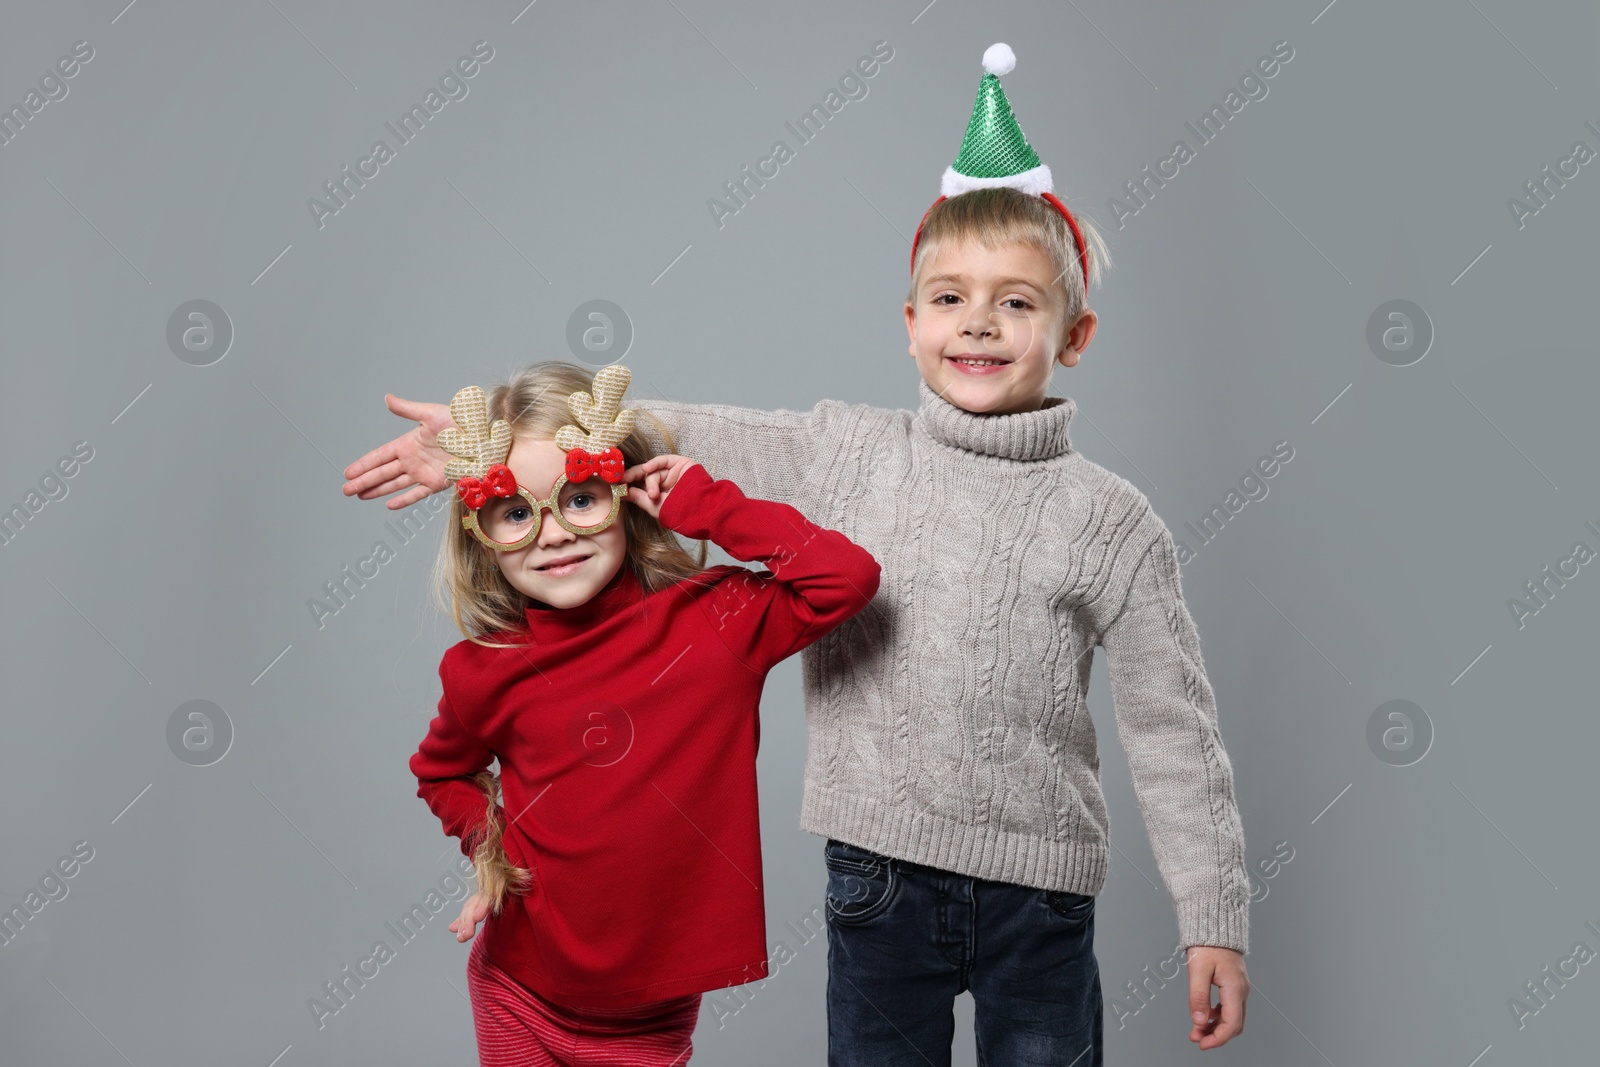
[180, 563]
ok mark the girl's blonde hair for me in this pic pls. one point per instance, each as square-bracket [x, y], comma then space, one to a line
[467, 586]
[1001, 216]
[496, 875]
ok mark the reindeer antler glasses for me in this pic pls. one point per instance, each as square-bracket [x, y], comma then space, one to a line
[506, 516]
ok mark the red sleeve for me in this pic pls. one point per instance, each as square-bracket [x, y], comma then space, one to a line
[444, 765]
[819, 577]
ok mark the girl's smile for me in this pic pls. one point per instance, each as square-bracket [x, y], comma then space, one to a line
[561, 567]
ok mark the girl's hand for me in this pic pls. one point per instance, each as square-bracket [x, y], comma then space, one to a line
[473, 911]
[656, 476]
[412, 461]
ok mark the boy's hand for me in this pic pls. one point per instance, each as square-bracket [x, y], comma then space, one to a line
[412, 461]
[1224, 968]
[657, 477]
[473, 911]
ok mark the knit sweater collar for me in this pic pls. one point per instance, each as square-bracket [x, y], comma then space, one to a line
[1026, 435]
[552, 624]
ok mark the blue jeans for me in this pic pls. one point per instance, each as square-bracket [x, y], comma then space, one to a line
[904, 939]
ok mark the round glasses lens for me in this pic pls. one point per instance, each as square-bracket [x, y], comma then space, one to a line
[506, 520]
[587, 504]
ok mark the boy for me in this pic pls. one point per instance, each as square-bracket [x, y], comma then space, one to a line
[951, 760]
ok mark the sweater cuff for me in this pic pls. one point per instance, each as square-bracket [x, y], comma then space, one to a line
[685, 494]
[1214, 924]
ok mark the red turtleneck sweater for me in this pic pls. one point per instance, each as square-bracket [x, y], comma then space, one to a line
[626, 730]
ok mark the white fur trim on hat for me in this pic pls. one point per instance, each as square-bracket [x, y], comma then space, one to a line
[1035, 181]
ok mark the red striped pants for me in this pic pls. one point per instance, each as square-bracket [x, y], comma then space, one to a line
[518, 1028]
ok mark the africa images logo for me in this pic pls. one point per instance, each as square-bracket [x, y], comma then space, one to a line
[452, 86]
[852, 86]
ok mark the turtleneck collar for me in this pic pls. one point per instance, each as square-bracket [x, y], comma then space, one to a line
[1026, 435]
[617, 595]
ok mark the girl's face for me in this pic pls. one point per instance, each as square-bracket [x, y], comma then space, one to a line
[558, 568]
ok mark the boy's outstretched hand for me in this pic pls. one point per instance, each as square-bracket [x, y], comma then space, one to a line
[473, 911]
[656, 477]
[1214, 1025]
[412, 461]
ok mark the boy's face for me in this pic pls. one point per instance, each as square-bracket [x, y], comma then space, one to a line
[585, 563]
[987, 326]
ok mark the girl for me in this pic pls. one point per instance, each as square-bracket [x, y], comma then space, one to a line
[616, 679]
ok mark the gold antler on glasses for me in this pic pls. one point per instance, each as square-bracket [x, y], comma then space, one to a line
[601, 414]
[473, 440]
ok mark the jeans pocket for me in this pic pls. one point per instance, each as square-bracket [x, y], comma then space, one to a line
[861, 883]
[1076, 908]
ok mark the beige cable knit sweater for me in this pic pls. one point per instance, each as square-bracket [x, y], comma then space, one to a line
[947, 722]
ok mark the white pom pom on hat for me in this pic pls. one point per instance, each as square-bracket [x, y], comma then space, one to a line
[999, 59]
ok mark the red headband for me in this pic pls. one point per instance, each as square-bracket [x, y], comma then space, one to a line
[1072, 224]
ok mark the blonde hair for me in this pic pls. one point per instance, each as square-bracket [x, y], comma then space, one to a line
[467, 586]
[496, 875]
[1001, 216]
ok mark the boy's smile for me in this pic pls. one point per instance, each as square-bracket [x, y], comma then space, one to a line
[986, 328]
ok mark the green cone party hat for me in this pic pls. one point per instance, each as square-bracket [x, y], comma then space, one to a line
[994, 152]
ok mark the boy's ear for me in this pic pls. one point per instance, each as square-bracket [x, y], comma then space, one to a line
[911, 328]
[1079, 334]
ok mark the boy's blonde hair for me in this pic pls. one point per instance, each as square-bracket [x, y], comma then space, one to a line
[1000, 216]
[467, 586]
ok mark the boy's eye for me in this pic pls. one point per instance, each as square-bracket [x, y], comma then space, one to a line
[1015, 303]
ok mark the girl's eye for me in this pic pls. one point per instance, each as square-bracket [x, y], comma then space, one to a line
[519, 515]
[582, 501]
